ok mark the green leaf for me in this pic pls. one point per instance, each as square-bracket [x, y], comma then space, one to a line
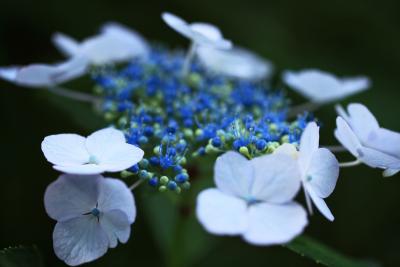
[20, 257]
[324, 255]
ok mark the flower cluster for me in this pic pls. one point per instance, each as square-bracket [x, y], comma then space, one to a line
[167, 108]
[175, 119]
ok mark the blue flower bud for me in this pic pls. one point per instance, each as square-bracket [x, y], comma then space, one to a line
[153, 181]
[172, 185]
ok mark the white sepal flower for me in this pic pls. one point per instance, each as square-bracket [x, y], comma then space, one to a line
[254, 199]
[202, 34]
[115, 43]
[322, 87]
[92, 213]
[318, 167]
[44, 75]
[359, 132]
[103, 151]
[236, 62]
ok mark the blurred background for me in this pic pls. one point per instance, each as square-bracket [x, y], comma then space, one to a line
[344, 37]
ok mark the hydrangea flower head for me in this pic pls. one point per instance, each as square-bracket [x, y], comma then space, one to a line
[92, 213]
[176, 119]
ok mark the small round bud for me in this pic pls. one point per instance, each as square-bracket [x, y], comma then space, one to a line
[164, 180]
[143, 174]
[199, 132]
[181, 178]
[144, 163]
[216, 142]
[261, 144]
[162, 188]
[153, 181]
[156, 150]
[172, 185]
[178, 190]
[186, 185]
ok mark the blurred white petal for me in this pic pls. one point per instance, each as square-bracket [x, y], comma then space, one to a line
[236, 62]
[322, 87]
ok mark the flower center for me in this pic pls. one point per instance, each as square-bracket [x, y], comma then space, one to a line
[93, 160]
[308, 178]
[251, 200]
[95, 212]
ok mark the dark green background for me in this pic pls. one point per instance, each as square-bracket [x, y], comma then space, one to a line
[344, 37]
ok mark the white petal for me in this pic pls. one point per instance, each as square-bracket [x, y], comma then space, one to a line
[233, 174]
[322, 173]
[309, 143]
[237, 62]
[71, 69]
[209, 35]
[9, 73]
[133, 40]
[79, 240]
[121, 157]
[102, 141]
[345, 135]
[36, 75]
[220, 213]
[321, 86]
[66, 44]
[178, 24]
[378, 159]
[287, 149]
[276, 178]
[116, 225]
[314, 84]
[390, 172]
[355, 84]
[71, 196]
[115, 195]
[79, 169]
[320, 204]
[65, 149]
[384, 140]
[275, 224]
[362, 121]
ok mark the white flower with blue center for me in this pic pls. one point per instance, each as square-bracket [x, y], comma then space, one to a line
[236, 62]
[200, 33]
[318, 167]
[115, 43]
[254, 199]
[359, 132]
[44, 75]
[103, 151]
[322, 87]
[92, 213]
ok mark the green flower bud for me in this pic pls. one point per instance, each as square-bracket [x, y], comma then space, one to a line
[126, 174]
